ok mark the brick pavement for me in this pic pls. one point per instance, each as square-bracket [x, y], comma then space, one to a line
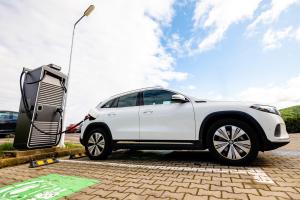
[121, 182]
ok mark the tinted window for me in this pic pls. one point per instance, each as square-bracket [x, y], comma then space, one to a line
[15, 116]
[4, 116]
[108, 104]
[153, 97]
[128, 100]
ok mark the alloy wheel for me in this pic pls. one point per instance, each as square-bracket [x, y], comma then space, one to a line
[96, 144]
[232, 142]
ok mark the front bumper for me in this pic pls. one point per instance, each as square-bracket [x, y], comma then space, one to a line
[268, 145]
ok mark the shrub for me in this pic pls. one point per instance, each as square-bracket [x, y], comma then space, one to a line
[291, 117]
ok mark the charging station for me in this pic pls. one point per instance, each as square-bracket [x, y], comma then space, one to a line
[39, 123]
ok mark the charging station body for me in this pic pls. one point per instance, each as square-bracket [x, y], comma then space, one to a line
[44, 90]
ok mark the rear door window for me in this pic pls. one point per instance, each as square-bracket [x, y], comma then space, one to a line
[128, 100]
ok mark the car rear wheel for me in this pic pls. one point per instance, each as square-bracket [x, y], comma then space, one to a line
[233, 142]
[97, 144]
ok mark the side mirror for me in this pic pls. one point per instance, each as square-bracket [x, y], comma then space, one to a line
[179, 98]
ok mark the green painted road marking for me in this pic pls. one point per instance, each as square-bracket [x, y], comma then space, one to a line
[50, 187]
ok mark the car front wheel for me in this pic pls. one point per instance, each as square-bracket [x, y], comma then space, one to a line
[233, 142]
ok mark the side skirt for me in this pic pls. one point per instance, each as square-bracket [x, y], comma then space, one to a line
[157, 145]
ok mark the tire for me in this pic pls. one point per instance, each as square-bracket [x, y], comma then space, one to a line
[232, 142]
[98, 144]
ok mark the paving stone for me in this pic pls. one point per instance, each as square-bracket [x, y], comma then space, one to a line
[136, 197]
[221, 188]
[167, 188]
[131, 184]
[273, 193]
[294, 195]
[155, 198]
[254, 197]
[211, 182]
[228, 195]
[187, 190]
[155, 193]
[100, 198]
[159, 182]
[283, 189]
[180, 184]
[118, 195]
[209, 193]
[200, 186]
[229, 184]
[118, 188]
[81, 196]
[102, 192]
[135, 190]
[195, 197]
[247, 191]
[149, 186]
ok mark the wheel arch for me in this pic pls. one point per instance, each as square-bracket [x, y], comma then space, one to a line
[239, 115]
[96, 125]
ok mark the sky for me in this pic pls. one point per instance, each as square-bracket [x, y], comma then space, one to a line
[242, 50]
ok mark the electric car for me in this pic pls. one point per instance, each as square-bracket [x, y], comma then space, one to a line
[162, 119]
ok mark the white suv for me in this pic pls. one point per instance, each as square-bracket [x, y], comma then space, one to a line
[158, 118]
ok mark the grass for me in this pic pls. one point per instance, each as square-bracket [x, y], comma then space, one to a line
[72, 145]
[6, 147]
[291, 116]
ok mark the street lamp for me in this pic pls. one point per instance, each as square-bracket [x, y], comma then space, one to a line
[86, 13]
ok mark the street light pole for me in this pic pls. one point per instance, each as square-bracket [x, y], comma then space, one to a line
[86, 13]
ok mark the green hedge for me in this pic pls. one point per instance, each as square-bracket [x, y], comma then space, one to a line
[291, 116]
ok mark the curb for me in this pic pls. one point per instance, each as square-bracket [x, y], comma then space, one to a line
[7, 162]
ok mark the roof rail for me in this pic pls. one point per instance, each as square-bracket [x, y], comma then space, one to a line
[137, 90]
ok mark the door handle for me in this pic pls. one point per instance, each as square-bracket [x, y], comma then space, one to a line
[111, 114]
[148, 112]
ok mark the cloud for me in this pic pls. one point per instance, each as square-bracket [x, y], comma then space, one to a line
[116, 48]
[281, 95]
[216, 16]
[271, 15]
[273, 39]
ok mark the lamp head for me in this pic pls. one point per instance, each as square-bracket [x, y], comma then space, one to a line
[88, 11]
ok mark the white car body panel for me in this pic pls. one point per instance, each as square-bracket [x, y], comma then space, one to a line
[174, 121]
[123, 122]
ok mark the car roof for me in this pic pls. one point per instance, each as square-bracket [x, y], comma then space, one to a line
[132, 91]
[136, 90]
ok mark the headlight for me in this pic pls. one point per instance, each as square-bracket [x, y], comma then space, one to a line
[264, 108]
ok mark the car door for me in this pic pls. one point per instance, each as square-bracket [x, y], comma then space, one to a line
[122, 117]
[163, 119]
